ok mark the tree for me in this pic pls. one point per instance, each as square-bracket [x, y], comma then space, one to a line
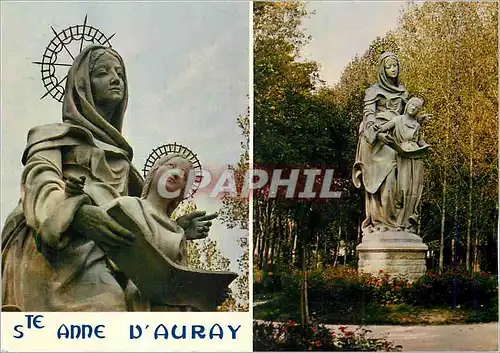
[446, 49]
[235, 213]
[235, 209]
[295, 126]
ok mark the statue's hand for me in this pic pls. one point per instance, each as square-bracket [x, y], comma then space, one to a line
[385, 138]
[196, 224]
[94, 223]
[379, 128]
[425, 118]
[74, 186]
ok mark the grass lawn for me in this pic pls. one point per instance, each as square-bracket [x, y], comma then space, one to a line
[276, 308]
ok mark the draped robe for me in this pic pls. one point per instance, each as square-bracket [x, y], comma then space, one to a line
[375, 167]
[45, 267]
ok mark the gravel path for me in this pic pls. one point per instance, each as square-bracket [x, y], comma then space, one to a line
[474, 337]
[471, 337]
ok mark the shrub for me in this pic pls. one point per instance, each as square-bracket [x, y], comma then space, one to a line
[344, 289]
[390, 289]
[266, 282]
[340, 290]
[471, 290]
[316, 337]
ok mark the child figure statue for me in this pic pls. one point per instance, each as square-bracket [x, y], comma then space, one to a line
[155, 267]
[406, 139]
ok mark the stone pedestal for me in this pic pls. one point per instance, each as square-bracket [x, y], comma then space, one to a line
[396, 253]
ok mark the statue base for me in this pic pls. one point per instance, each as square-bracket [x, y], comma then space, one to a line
[398, 253]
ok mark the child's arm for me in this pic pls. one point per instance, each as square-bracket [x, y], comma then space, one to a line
[196, 224]
[386, 126]
[423, 118]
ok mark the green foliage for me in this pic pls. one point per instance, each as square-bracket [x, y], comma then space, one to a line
[204, 254]
[242, 282]
[295, 124]
[266, 283]
[473, 291]
[234, 211]
[464, 101]
[316, 337]
[343, 290]
[340, 295]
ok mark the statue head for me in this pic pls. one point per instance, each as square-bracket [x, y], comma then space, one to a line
[414, 106]
[170, 172]
[107, 77]
[389, 69]
[97, 80]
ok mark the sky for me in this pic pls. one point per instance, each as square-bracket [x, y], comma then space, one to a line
[187, 66]
[342, 29]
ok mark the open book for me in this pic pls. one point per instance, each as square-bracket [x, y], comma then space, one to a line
[162, 280]
[415, 153]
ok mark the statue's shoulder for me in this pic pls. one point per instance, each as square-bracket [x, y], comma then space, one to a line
[56, 135]
[373, 87]
[372, 92]
[375, 92]
[405, 93]
[55, 131]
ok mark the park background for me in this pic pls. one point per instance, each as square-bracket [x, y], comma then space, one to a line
[188, 80]
[312, 64]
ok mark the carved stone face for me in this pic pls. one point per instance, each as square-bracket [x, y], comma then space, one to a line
[107, 81]
[412, 109]
[175, 172]
[391, 68]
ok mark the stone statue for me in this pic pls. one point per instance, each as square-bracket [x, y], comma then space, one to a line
[389, 167]
[151, 215]
[406, 141]
[377, 155]
[54, 242]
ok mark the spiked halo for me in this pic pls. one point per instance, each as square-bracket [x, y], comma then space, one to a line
[175, 148]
